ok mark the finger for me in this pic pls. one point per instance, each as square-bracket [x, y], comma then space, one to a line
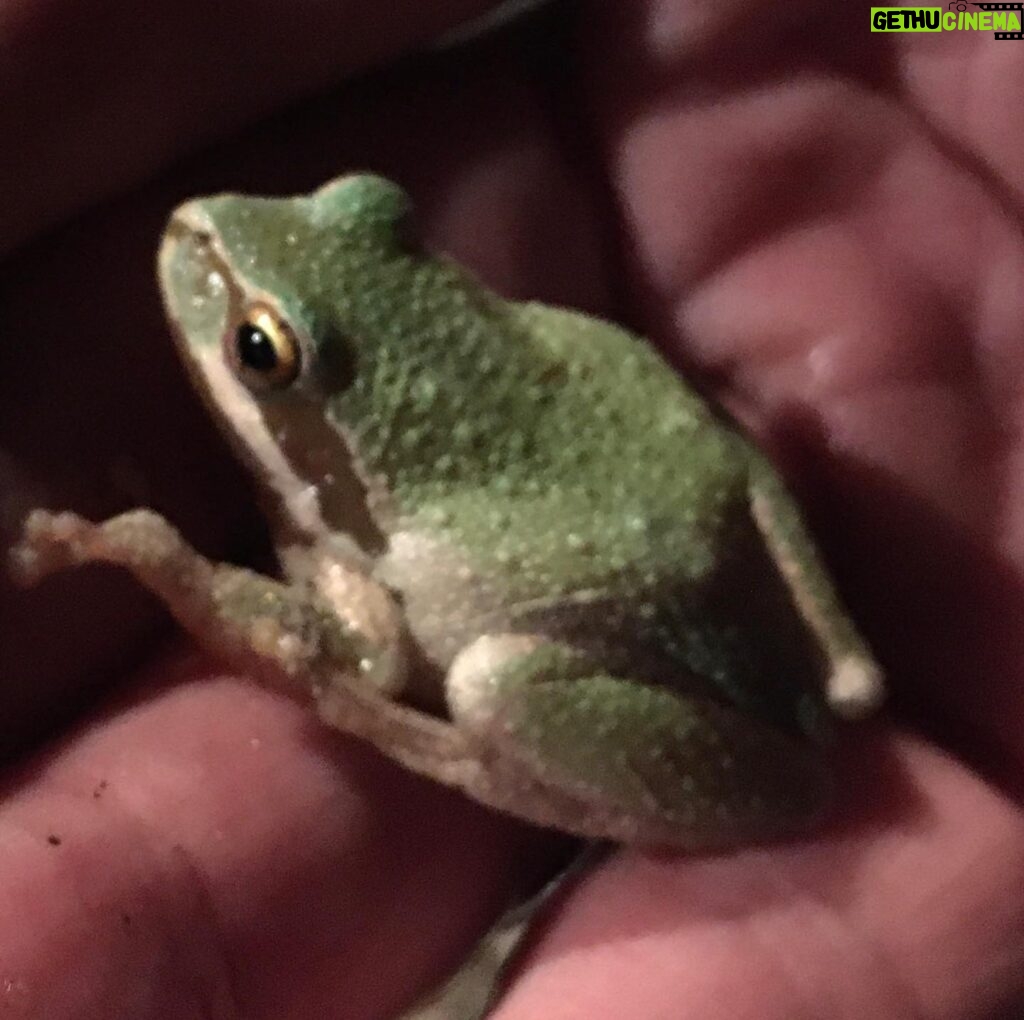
[208, 850]
[914, 910]
[977, 112]
[137, 85]
[798, 236]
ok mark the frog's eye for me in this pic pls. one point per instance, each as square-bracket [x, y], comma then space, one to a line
[263, 350]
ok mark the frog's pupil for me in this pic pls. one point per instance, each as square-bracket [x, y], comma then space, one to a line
[255, 348]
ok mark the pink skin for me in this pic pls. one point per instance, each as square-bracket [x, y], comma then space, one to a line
[823, 223]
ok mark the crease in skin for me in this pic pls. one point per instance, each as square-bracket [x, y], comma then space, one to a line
[822, 957]
[170, 869]
[224, 995]
[497, 17]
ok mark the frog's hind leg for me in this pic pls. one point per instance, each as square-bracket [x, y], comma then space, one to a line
[628, 760]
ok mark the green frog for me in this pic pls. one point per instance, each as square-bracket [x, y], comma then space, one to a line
[518, 554]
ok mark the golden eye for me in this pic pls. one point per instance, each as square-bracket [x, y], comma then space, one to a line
[264, 351]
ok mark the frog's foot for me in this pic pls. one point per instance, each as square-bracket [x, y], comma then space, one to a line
[627, 760]
[51, 542]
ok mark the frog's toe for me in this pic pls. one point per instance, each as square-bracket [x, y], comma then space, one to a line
[856, 687]
[49, 542]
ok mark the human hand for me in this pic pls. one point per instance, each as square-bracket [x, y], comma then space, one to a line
[773, 224]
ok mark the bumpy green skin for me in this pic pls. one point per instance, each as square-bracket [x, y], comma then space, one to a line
[514, 469]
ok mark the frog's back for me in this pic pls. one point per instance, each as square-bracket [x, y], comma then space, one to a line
[652, 558]
[625, 471]
[621, 418]
[574, 458]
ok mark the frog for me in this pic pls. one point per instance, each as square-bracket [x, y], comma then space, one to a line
[517, 553]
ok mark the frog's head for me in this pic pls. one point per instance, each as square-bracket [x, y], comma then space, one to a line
[322, 337]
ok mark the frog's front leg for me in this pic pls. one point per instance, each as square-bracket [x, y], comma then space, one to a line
[237, 614]
[291, 637]
[630, 760]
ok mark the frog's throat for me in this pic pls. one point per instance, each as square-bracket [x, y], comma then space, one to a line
[308, 476]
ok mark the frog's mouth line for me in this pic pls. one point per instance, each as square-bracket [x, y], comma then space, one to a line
[305, 469]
